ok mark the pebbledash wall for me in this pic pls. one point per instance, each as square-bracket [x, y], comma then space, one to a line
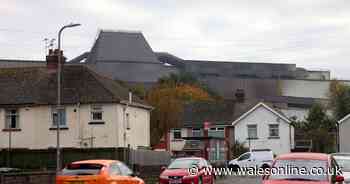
[262, 118]
[36, 131]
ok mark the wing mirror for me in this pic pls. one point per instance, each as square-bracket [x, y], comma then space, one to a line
[162, 168]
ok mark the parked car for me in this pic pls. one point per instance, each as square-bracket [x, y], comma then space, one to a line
[306, 162]
[178, 172]
[343, 160]
[97, 171]
[254, 158]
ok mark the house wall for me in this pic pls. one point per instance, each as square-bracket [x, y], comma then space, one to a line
[139, 132]
[344, 137]
[263, 117]
[35, 124]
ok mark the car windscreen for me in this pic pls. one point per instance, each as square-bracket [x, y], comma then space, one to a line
[299, 170]
[82, 169]
[343, 162]
[183, 163]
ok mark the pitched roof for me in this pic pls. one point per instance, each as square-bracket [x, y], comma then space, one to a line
[122, 47]
[36, 86]
[261, 104]
[218, 113]
[344, 119]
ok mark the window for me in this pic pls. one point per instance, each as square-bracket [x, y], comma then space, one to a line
[252, 132]
[125, 171]
[96, 113]
[55, 116]
[216, 132]
[274, 130]
[244, 156]
[12, 119]
[196, 132]
[177, 133]
[114, 169]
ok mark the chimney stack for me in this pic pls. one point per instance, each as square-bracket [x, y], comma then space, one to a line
[52, 60]
[240, 95]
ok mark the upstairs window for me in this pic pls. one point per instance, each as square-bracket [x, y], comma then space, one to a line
[55, 119]
[96, 113]
[216, 132]
[12, 119]
[252, 131]
[273, 130]
[196, 132]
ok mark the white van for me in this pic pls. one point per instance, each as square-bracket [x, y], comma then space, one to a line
[254, 158]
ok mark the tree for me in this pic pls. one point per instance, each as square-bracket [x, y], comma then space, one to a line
[187, 78]
[319, 128]
[238, 149]
[168, 101]
[339, 99]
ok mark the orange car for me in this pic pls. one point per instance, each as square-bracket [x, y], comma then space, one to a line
[97, 172]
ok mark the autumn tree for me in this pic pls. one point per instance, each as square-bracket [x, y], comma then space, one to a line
[168, 99]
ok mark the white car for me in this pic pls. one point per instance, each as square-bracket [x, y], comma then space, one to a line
[343, 160]
[254, 158]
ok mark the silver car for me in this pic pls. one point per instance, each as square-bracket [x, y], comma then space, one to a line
[343, 160]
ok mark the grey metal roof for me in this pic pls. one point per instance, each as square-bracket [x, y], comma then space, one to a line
[122, 47]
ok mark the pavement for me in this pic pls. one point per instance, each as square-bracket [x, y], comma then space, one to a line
[239, 180]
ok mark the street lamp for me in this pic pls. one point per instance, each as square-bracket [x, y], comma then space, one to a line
[59, 108]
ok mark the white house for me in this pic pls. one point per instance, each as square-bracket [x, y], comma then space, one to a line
[263, 127]
[343, 133]
[97, 111]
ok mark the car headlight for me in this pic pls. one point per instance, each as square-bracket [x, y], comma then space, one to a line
[163, 177]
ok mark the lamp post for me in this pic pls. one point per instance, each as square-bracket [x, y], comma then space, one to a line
[59, 108]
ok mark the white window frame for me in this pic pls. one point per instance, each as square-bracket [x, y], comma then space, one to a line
[197, 130]
[54, 111]
[96, 109]
[217, 129]
[278, 130]
[10, 114]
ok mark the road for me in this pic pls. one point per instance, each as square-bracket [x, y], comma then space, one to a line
[239, 180]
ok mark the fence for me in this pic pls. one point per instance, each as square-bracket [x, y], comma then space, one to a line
[147, 162]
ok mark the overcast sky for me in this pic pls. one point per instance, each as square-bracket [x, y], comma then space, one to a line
[314, 34]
